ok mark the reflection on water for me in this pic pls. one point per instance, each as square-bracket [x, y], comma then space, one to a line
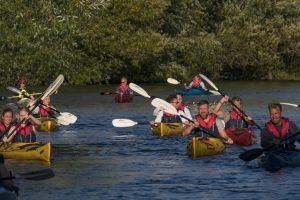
[93, 160]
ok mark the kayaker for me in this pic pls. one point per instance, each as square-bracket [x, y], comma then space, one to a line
[25, 132]
[4, 173]
[236, 124]
[208, 122]
[25, 92]
[197, 83]
[167, 117]
[123, 88]
[182, 107]
[6, 119]
[278, 128]
[44, 109]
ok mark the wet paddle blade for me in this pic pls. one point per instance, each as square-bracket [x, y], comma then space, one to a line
[68, 117]
[13, 89]
[139, 90]
[209, 81]
[120, 123]
[38, 175]
[251, 154]
[290, 104]
[164, 106]
[173, 81]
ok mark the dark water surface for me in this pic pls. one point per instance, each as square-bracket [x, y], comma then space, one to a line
[93, 160]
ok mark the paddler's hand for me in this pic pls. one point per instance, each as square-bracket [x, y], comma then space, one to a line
[229, 141]
[196, 124]
[186, 123]
[152, 123]
[224, 99]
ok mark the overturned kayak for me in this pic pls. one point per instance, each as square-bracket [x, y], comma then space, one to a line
[48, 125]
[26, 151]
[192, 92]
[199, 147]
[124, 98]
[167, 129]
[242, 137]
[275, 160]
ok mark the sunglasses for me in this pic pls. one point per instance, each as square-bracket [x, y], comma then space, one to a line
[175, 102]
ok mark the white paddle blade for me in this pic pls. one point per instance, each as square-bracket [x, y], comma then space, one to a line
[53, 86]
[214, 92]
[290, 104]
[123, 123]
[68, 117]
[209, 81]
[173, 81]
[62, 122]
[164, 106]
[139, 90]
[13, 89]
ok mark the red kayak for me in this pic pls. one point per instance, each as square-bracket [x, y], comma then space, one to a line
[125, 98]
[243, 137]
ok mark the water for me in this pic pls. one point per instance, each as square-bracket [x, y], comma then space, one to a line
[93, 160]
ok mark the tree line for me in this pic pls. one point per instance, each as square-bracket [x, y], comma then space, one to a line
[98, 41]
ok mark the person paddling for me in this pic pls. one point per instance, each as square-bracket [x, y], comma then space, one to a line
[182, 107]
[44, 109]
[123, 88]
[25, 132]
[6, 119]
[167, 117]
[197, 83]
[277, 128]
[236, 124]
[25, 92]
[208, 122]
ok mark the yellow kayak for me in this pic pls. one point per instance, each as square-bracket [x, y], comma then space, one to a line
[48, 125]
[198, 147]
[167, 129]
[26, 151]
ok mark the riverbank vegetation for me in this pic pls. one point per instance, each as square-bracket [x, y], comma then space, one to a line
[97, 41]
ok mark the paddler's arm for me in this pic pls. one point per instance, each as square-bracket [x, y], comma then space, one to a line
[222, 131]
[219, 105]
[12, 129]
[157, 119]
[188, 129]
[34, 120]
[266, 138]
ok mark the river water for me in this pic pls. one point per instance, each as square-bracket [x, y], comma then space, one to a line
[94, 160]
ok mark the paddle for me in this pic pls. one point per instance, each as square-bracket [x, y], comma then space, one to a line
[140, 91]
[65, 118]
[33, 175]
[229, 100]
[254, 153]
[291, 104]
[175, 82]
[49, 91]
[121, 123]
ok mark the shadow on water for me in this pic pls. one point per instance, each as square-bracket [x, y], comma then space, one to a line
[94, 160]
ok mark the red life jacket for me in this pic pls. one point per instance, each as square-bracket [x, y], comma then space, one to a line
[285, 125]
[44, 111]
[123, 88]
[168, 114]
[2, 127]
[236, 116]
[210, 122]
[181, 107]
[24, 130]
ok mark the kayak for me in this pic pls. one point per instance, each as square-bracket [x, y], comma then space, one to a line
[125, 98]
[275, 160]
[48, 125]
[26, 151]
[243, 137]
[6, 194]
[167, 129]
[199, 147]
[192, 92]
